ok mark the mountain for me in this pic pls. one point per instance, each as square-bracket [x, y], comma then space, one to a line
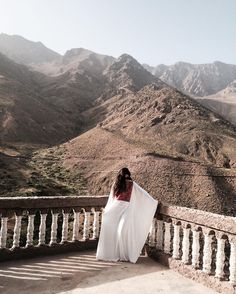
[223, 102]
[125, 75]
[76, 60]
[24, 51]
[42, 59]
[68, 132]
[196, 79]
[38, 109]
[26, 115]
[177, 149]
[126, 72]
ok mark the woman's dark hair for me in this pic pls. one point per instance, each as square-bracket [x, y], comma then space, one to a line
[120, 182]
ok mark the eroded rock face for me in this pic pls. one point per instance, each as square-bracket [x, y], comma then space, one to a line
[196, 79]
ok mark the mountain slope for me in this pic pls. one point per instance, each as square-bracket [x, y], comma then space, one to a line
[223, 102]
[26, 115]
[196, 79]
[176, 149]
[76, 60]
[24, 51]
[179, 151]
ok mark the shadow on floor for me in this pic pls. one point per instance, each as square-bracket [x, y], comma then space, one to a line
[67, 271]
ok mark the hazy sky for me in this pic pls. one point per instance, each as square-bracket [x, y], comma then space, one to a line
[153, 31]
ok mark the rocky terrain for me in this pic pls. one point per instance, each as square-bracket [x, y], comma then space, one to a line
[196, 79]
[176, 148]
[68, 131]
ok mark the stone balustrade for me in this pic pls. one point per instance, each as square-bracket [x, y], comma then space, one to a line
[197, 242]
[41, 225]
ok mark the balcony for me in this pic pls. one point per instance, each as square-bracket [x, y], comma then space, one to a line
[49, 244]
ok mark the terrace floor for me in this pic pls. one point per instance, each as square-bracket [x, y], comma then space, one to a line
[80, 272]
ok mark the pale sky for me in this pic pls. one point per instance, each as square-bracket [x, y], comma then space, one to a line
[153, 31]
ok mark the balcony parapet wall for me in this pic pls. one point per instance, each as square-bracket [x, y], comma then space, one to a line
[199, 244]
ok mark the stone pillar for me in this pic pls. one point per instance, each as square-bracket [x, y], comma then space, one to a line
[95, 223]
[3, 232]
[30, 229]
[167, 238]
[159, 239]
[76, 225]
[152, 233]
[176, 240]
[195, 248]
[86, 225]
[186, 244]
[53, 239]
[220, 256]
[64, 237]
[232, 260]
[207, 251]
[17, 230]
[42, 228]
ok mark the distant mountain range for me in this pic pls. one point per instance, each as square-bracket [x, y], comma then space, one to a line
[24, 51]
[196, 79]
[110, 112]
[211, 84]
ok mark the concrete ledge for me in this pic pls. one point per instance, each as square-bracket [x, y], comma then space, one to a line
[52, 202]
[199, 217]
[189, 272]
[35, 251]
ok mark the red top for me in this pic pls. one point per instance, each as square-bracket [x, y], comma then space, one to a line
[125, 196]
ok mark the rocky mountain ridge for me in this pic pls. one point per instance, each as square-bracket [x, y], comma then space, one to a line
[196, 79]
[25, 51]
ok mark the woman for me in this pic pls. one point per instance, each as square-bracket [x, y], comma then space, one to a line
[126, 220]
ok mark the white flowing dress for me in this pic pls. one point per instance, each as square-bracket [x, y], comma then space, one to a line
[125, 226]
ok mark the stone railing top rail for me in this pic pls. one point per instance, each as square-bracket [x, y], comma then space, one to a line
[199, 217]
[52, 202]
[193, 216]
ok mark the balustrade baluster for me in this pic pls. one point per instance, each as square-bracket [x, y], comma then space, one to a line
[30, 230]
[195, 248]
[86, 225]
[17, 230]
[76, 225]
[232, 260]
[220, 256]
[42, 228]
[3, 232]
[176, 240]
[54, 225]
[95, 224]
[152, 233]
[64, 237]
[207, 251]
[186, 244]
[167, 238]
[159, 239]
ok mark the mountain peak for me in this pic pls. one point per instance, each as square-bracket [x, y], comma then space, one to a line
[126, 63]
[127, 72]
[25, 51]
[76, 51]
[126, 57]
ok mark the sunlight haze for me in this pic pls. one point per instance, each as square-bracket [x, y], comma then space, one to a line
[153, 31]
